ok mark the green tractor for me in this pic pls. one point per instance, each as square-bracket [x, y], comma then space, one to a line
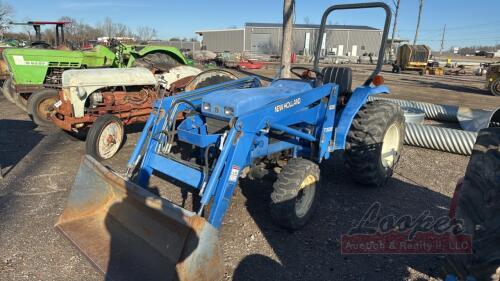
[35, 74]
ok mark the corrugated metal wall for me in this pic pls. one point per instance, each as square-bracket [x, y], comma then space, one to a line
[367, 41]
[183, 45]
[226, 40]
[187, 45]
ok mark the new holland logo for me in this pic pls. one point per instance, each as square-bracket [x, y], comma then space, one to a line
[287, 105]
[19, 60]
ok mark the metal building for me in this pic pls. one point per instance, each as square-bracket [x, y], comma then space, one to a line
[181, 45]
[265, 38]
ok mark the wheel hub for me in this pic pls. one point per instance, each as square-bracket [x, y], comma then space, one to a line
[110, 140]
[390, 146]
[309, 180]
[46, 107]
[305, 196]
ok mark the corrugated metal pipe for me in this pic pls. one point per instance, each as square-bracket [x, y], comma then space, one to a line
[438, 138]
[432, 111]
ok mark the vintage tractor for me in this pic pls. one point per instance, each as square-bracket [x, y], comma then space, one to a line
[229, 131]
[36, 73]
[493, 79]
[38, 43]
[91, 105]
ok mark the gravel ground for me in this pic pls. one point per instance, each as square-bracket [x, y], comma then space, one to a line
[40, 165]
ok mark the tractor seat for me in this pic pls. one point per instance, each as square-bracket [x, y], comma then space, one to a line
[341, 76]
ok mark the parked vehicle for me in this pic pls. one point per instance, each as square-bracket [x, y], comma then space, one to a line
[97, 104]
[493, 79]
[37, 71]
[411, 57]
[231, 130]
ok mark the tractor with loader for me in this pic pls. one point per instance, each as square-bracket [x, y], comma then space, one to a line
[229, 131]
[36, 74]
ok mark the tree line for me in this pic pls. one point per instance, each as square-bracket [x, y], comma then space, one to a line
[77, 32]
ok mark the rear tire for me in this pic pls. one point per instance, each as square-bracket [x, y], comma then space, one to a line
[210, 78]
[105, 137]
[374, 142]
[495, 87]
[479, 208]
[41, 105]
[295, 193]
[160, 61]
[7, 91]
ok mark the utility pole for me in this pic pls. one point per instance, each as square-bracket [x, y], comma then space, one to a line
[394, 29]
[418, 21]
[286, 43]
[442, 40]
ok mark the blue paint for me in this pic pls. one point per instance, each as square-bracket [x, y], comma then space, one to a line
[304, 117]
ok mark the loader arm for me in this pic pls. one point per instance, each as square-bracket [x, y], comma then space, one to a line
[238, 144]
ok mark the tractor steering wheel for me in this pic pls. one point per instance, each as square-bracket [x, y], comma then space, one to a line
[306, 73]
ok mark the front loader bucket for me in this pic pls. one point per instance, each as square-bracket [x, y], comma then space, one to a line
[131, 234]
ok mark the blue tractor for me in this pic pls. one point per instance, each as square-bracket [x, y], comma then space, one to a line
[205, 140]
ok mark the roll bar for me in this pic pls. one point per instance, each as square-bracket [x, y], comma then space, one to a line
[385, 34]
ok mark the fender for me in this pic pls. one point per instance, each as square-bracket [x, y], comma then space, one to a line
[358, 99]
[171, 51]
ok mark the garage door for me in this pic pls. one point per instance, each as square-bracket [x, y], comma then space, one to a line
[260, 43]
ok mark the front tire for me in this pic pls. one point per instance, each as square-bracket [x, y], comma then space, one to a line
[6, 90]
[295, 193]
[41, 105]
[105, 137]
[374, 142]
[495, 87]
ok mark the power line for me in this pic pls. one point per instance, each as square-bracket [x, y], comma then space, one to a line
[461, 39]
[453, 28]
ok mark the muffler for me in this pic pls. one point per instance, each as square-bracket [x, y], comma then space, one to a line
[129, 233]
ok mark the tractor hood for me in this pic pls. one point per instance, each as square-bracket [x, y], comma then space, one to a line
[241, 101]
[78, 84]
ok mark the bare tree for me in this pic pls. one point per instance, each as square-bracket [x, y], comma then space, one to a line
[307, 20]
[108, 28]
[146, 33]
[6, 12]
[28, 29]
[121, 30]
[286, 45]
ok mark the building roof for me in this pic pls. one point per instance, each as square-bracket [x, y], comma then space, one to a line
[333, 26]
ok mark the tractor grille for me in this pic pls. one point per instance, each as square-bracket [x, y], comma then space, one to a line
[64, 64]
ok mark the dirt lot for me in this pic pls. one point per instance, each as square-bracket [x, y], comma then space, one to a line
[40, 165]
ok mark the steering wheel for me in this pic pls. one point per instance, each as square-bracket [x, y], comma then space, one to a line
[305, 74]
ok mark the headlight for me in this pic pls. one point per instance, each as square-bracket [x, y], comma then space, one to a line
[228, 111]
[80, 92]
[96, 98]
[206, 106]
